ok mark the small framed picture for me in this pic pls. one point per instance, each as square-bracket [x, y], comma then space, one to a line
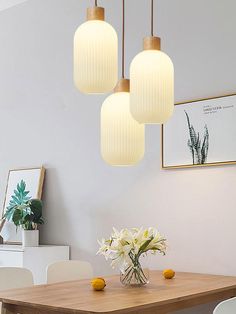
[200, 133]
[22, 185]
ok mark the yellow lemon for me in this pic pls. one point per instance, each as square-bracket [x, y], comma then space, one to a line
[168, 273]
[98, 284]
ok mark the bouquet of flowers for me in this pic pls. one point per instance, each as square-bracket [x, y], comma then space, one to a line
[125, 248]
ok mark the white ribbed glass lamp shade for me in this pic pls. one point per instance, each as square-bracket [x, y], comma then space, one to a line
[95, 57]
[151, 87]
[122, 137]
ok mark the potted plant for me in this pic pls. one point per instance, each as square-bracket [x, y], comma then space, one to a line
[28, 216]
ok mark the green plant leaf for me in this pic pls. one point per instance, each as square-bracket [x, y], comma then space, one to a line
[199, 149]
[20, 195]
[16, 199]
[36, 210]
[17, 217]
[145, 245]
[9, 213]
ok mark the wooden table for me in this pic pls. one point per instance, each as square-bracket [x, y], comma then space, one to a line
[160, 296]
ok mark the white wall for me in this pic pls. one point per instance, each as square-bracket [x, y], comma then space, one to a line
[45, 120]
[5, 4]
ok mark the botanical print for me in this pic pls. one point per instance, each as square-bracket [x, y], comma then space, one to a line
[20, 197]
[198, 148]
[199, 133]
[23, 185]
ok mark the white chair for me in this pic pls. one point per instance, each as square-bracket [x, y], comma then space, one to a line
[226, 307]
[68, 271]
[15, 277]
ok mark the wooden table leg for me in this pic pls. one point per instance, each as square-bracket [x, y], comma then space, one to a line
[8, 309]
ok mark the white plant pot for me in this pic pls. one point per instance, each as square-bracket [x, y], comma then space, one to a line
[30, 238]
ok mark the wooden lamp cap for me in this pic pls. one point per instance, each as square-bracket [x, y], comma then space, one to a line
[152, 43]
[95, 13]
[122, 86]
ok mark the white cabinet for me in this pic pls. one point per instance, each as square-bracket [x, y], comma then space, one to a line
[35, 259]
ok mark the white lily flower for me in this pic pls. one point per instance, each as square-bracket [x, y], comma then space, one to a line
[126, 246]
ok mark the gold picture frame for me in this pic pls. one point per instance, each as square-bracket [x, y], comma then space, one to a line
[207, 164]
[38, 193]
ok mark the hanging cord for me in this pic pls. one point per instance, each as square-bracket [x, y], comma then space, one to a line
[152, 22]
[96, 3]
[123, 38]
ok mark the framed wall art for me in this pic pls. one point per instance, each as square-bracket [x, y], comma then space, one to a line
[22, 185]
[200, 133]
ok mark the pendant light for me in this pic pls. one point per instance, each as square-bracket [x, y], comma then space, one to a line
[152, 82]
[122, 137]
[95, 54]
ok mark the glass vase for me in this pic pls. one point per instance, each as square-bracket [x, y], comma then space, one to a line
[135, 275]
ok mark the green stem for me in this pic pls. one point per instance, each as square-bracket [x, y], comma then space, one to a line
[134, 271]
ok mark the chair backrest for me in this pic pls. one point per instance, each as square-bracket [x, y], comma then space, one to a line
[226, 307]
[15, 277]
[68, 271]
